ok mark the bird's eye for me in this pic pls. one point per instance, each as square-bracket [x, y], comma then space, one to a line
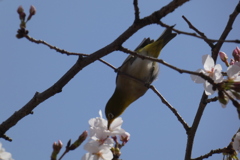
[110, 115]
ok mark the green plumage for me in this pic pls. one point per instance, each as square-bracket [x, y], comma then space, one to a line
[134, 74]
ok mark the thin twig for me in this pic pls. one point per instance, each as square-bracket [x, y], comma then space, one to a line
[108, 64]
[83, 62]
[202, 104]
[54, 47]
[164, 101]
[211, 100]
[197, 36]
[216, 151]
[62, 50]
[226, 31]
[136, 9]
[122, 49]
[168, 65]
[200, 33]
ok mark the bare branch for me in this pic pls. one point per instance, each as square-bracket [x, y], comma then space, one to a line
[53, 47]
[226, 31]
[211, 100]
[202, 104]
[164, 101]
[136, 9]
[108, 64]
[200, 33]
[216, 151]
[62, 50]
[168, 65]
[83, 62]
[197, 36]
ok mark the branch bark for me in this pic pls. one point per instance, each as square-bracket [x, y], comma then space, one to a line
[83, 62]
[202, 104]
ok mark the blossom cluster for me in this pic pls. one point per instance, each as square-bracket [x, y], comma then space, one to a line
[227, 84]
[236, 142]
[22, 32]
[233, 148]
[4, 155]
[22, 14]
[103, 143]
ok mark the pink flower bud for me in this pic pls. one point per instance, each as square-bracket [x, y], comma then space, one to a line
[125, 138]
[236, 54]
[223, 56]
[21, 13]
[32, 10]
[57, 146]
[79, 141]
[20, 10]
[232, 61]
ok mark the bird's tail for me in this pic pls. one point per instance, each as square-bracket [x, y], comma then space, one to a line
[153, 49]
[166, 36]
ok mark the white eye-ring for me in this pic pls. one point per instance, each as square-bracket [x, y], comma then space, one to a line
[110, 115]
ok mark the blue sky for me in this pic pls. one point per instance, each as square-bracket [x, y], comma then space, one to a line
[84, 27]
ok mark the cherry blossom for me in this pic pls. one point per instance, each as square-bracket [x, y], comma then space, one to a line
[101, 139]
[211, 70]
[236, 142]
[4, 155]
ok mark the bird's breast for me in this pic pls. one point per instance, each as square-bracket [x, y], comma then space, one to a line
[143, 70]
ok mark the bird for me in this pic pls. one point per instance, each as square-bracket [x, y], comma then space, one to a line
[135, 74]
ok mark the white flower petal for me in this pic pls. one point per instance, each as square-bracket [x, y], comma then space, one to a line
[106, 154]
[100, 113]
[208, 62]
[88, 156]
[236, 142]
[233, 71]
[91, 146]
[5, 156]
[125, 134]
[117, 123]
[218, 67]
[208, 88]
[198, 79]
[217, 76]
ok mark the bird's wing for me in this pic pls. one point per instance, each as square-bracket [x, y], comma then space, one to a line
[154, 72]
[130, 59]
[144, 42]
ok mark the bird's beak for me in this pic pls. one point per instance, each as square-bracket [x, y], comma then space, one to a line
[109, 123]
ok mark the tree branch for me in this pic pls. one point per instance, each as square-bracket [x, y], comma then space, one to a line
[202, 103]
[168, 65]
[136, 9]
[216, 151]
[197, 36]
[83, 62]
[226, 31]
[164, 101]
[53, 47]
[200, 33]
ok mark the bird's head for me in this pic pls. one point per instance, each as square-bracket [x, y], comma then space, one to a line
[116, 105]
[110, 119]
[114, 108]
[111, 114]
